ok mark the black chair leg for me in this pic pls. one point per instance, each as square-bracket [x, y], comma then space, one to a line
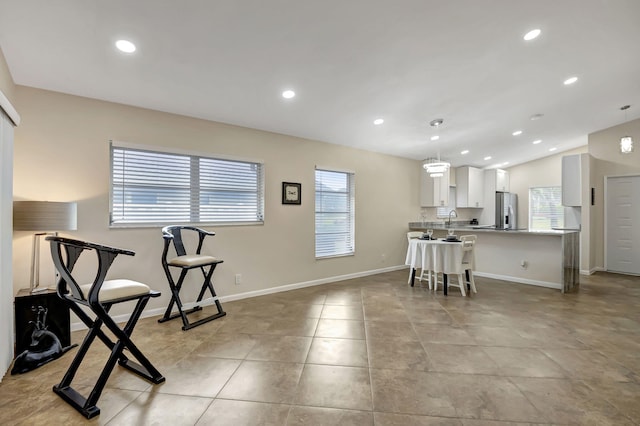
[87, 406]
[175, 299]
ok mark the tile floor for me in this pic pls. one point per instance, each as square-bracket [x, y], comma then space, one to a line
[374, 351]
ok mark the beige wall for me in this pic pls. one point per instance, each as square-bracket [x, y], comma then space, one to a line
[62, 154]
[608, 161]
[545, 171]
[6, 82]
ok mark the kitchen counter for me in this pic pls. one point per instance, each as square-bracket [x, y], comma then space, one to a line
[547, 258]
[419, 226]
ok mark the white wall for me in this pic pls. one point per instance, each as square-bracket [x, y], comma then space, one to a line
[6, 220]
[62, 154]
[6, 225]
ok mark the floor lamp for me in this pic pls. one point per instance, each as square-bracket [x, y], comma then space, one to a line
[46, 218]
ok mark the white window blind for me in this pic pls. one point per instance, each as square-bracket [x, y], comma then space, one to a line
[442, 212]
[160, 188]
[335, 213]
[545, 208]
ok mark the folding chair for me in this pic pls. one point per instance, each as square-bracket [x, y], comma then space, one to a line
[185, 262]
[99, 296]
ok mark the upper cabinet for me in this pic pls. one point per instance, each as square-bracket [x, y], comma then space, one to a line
[575, 170]
[497, 180]
[469, 187]
[434, 192]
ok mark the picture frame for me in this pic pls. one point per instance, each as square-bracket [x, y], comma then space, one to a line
[291, 193]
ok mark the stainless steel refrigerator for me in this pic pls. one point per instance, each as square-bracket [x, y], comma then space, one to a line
[506, 210]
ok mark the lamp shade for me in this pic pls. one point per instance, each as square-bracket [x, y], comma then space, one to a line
[44, 216]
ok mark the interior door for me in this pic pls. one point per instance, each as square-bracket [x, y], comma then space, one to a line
[623, 229]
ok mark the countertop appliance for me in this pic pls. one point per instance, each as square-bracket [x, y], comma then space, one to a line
[506, 210]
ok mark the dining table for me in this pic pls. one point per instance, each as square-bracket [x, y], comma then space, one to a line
[439, 256]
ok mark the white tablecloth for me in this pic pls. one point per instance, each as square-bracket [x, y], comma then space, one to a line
[438, 256]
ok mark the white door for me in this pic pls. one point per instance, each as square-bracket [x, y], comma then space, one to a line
[623, 227]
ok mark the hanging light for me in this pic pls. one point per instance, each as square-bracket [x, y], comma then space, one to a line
[626, 142]
[435, 167]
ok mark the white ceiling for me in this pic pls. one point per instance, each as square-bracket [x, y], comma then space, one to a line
[349, 61]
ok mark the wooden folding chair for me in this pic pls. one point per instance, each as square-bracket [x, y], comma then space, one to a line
[186, 262]
[99, 296]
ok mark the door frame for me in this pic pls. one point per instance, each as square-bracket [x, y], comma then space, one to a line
[606, 213]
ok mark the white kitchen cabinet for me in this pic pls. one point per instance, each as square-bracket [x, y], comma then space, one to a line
[571, 181]
[469, 187]
[434, 192]
[495, 180]
[501, 178]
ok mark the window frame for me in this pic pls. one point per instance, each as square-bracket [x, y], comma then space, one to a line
[559, 217]
[192, 157]
[350, 212]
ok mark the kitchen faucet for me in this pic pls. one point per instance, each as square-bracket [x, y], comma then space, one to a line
[455, 214]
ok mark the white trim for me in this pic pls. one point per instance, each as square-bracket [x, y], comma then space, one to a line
[538, 283]
[159, 311]
[166, 150]
[333, 169]
[9, 109]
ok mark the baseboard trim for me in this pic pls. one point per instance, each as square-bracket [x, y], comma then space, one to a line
[249, 294]
[538, 283]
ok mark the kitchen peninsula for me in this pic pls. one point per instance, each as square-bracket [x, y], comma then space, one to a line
[542, 258]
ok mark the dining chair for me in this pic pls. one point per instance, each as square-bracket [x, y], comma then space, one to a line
[468, 255]
[184, 261]
[412, 235]
[468, 243]
[99, 296]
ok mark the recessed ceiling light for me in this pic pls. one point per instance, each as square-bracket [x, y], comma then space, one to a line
[125, 46]
[505, 163]
[288, 94]
[487, 158]
[466, 151]
[532, 34]
[377, 121]
[535, 117]
[436, 122]
[552, 149]
[570, 80]
[435, 137]
[517, 133]
[537, 141]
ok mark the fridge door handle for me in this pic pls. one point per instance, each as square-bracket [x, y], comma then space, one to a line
[511, 214]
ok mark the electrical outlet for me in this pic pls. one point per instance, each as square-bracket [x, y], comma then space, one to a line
[238, 278]
[523, 264]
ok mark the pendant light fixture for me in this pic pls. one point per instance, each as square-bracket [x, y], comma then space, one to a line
[626, 142]
[435, 167]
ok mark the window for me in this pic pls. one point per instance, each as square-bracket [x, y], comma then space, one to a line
[161, 188]
[443, 212]
[335, 218]
[545, 208]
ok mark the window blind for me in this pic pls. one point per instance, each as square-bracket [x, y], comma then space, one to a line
[545, 208]
[442, 212]
[158, 188]
[335, 213]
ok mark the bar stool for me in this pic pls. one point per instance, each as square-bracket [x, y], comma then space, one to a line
[99, 296]
[185, 262]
